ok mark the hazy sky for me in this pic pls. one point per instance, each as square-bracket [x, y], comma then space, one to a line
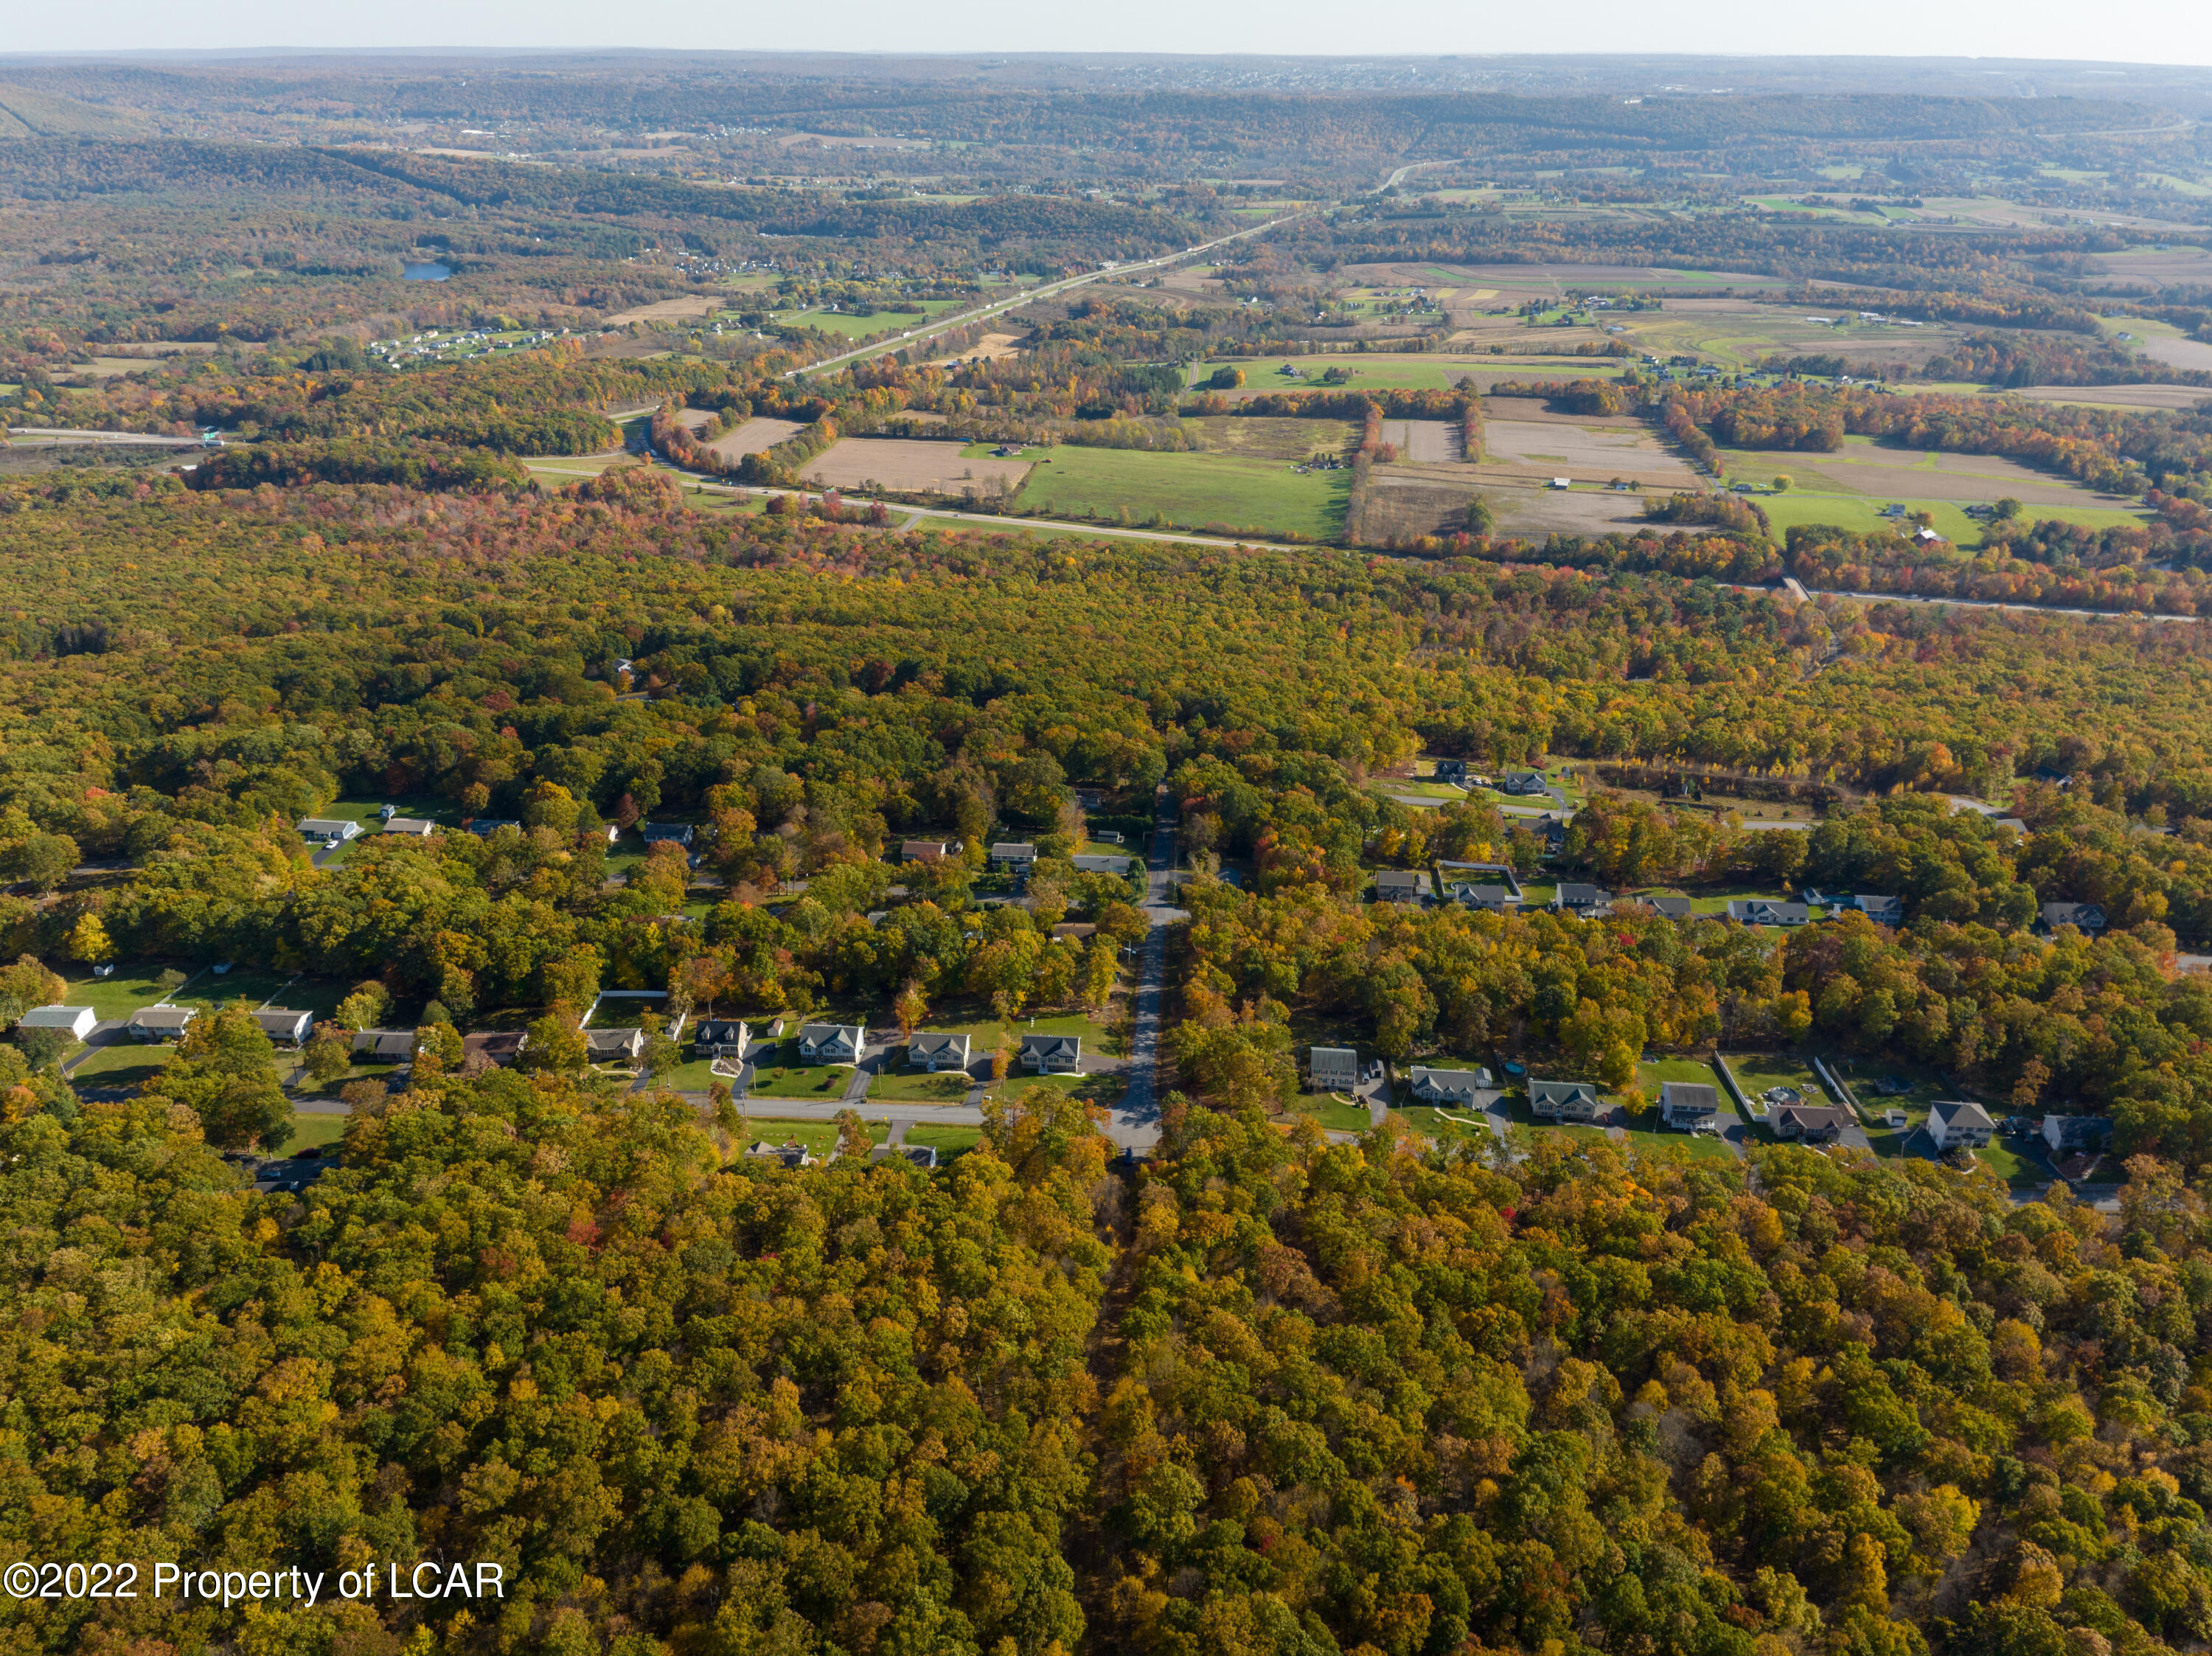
[2138, 30]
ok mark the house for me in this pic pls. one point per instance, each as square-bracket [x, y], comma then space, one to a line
[1882, 911]
[1522, 783]
[1562, 1101]
[1674, 909]
[162, 1023]
[1332, 1070]
[667, 834]
[1808, 1123]
[500, 1046]
[290, 1028]
[327, 830]
[1452, 770]
[924, 851]
[1052, 1055]
[792, 1155]
[1108, 836]
[75, 1021]
[1013, 854]
[1582, 900]
[1960, 1125]
[1688, 1103]
[720, 1038]
[1116, 865]
[1491, 898]
[613, 1046]
[1759, 910]
[2071, 1135]
[1397, 885]
[1449, 1087]
[421, 827]
[921, 1156]
[934, 1050]
[383, 1046]
[831, 1043]
[2084, 917]
[484, 827]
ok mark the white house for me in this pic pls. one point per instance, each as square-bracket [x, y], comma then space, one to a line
[76, 1021]
[421, 827]
[1562, 1101]
[1333, 1070]
[1959, 1126]
[934, 1050]
[161, 1023]
[327, 830]
[831, 1043]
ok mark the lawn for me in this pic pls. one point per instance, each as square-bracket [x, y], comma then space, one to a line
[787, 1078]
[309, 1131]
[300, 1081]
[116, 998]
[820, 1137]
[948, 1141]
[1185, 491]
[1431, 1123]
[1859, 514]
[946, 1087]
[1651, 1074]
[1335, 1115]
[695, 1076]
[1646, 1137]
[1102, 1091]
[126, 1064]
[1756, 1072]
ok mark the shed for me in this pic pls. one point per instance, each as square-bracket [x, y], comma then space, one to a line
[76, 1021]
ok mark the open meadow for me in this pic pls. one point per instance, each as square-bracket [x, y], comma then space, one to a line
[1187, 491]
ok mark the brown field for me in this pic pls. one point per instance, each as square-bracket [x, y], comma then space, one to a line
[2180, 398]
[1591, 450]
[1420, 500]
[2179, 353]
[1897, 474]
[2189, 267]
[666, 310]
[990, 349]
[912, 465]
[1263, 439]
[1424, 442]
[754, 437]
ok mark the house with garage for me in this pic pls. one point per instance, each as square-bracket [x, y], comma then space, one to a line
[1562, 1101]
[831, 1043]
[720, 1038]
[498, 1047]
[1806, 1123]
[623, 1045]
[1522, 783]
[920, 1156]
[327, 830]
[1052, 1055]
[1397, 885]
[1118, 866]
[1489, 898]
[1015, 854]
[926, 851]
[285, 1026]
[484, 827]
[419, 828]
[161, 1023]
[1674, 909]
[383, 1046]
[1452, 771]
[1882, 911]
[1452, 1089]
[667, 834]
[1761, 911]
[2083, 917]
[75, 1021]
[1959, 1126]
[1332, 1070]
[1584, 901]
[1689, 1104]
[2076, 1135]
[937, 1049]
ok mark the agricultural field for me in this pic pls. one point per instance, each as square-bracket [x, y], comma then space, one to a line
[1587, 449]
[2179, 398]
[1265, 438]
[755, 436]
[1403, 370]
[1187, 491]
[914, 466]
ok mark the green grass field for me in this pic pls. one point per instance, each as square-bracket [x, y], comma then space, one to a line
[948, 1141]
[1333, 1115]
[1860, 514]
[820, 1137]
[946, 1087]
[128, 1063]
[1185, 491]
[1756, 1072]
[315, 1130]
[1407, 370]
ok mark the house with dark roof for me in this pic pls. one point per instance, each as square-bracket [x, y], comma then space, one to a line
[614, 1045]
[667, 834]
[1452, 771]
[1584, 899]
[1960, 1125]
[161, 1023]
[1491, 899]
[1806, 1123]
[1013, 853]
[1688, 1103]
[2072, 1135]
[499, 1047]
[1761, 911]
[1117, 865]
[1674, 909]
[484, 827]
[383, 1046]
[1450, 1088]
[1522, 783]
[1562, 1101]
[1052, 1055]
[720, 1038]
[935, 1049]
[831, 1043]
[918, 1155]
[286, 1028]
[792, 1154]
[2083, 917]
[1883, 910]
[1397, 885]
[1332, 1069]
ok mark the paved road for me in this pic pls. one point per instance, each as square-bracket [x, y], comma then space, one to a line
[945, 324]
[1135, 1121]
[1987, 603]
[73, 434]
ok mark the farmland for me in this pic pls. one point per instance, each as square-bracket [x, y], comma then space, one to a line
[914, 466]
[1186, 490]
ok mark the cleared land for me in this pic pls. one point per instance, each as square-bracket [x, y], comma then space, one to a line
[912, 466]
[1188, 490]
[1260, 438]
[1425, 442]
[666, 310]
[2180, 398]
[755, 436]
[1623, 449]
[1408, 370]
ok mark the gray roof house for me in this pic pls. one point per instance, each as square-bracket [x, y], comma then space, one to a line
[2087, 917]
[1101, 865]
[920, 1156]
[484, 827]
[1760, 911]
[280, 1024]
[831, 1043]
[327, 830]
[1397, 885]
[1013, 854]
[1808, 1123]
[1332, 1069]
[1686, 1103]
[1453, 1087]
[1523, 783]
[613, 1046]
[2068, 1135]
[1491, 898]
[1052, 1055]
[1584, 899]
[161, 1023]
[1885, 911]
[1452, 770]
[1674, 909]
[1953, 1124]
[720, 1037]
[673, 833]
[1562, 1101]
[500, 1046]
[934, 1049]
[384, 1046]
[421, 827]
[74, 1020]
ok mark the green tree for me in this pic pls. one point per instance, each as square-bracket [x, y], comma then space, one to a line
[224, 1071]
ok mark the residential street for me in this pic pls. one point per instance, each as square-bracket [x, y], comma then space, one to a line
[1135, 1123]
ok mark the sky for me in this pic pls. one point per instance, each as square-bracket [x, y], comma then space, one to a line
[2127, 31]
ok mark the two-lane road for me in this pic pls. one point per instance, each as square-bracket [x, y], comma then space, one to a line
[1135, 1121]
